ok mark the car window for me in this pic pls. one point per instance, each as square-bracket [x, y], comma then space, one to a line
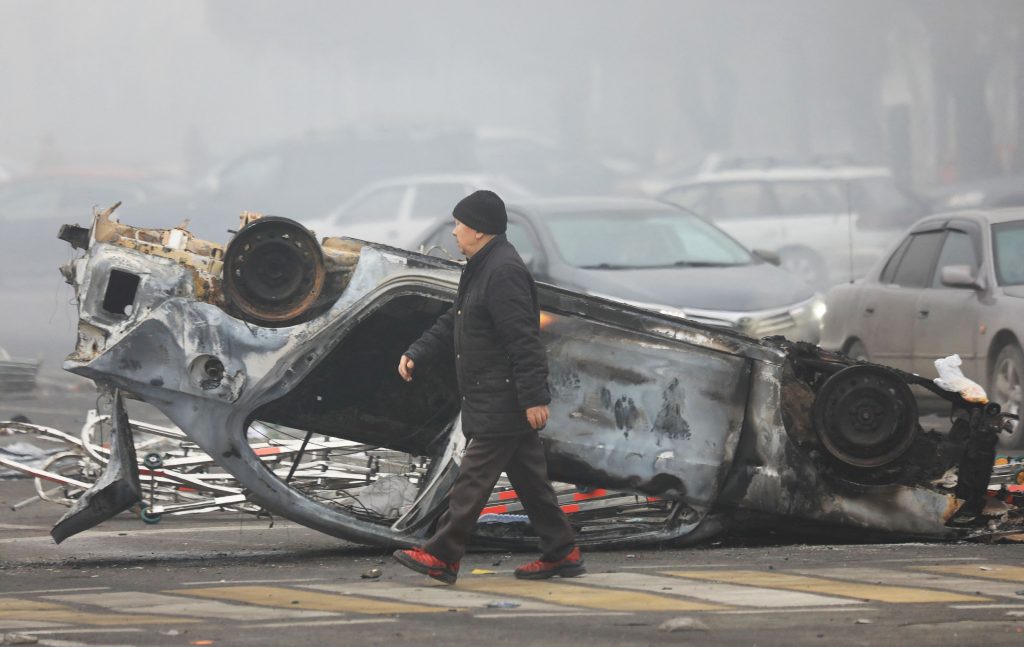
[893, 262]
[881, 202]
[738, 200]
[915, 269]
[436, 201]
[956, 250]
[1008, 252]
[521, 240]
[692, 198]
[809, 198]
[639, 239]
[381, 205]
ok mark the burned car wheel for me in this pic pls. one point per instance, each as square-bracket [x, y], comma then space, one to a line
[865, 416]
[273, 272]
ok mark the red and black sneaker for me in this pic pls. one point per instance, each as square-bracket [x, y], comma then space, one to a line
[423, 562]
[569, 566]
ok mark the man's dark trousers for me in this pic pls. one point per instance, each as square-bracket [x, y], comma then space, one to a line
[521, 457]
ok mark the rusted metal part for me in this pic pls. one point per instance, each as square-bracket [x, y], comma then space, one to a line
[273, 272]
[719, 427]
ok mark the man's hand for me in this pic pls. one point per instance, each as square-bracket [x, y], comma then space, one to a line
[405, 366]
[538, 416]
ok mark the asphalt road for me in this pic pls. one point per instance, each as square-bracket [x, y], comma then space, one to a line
[233, 579]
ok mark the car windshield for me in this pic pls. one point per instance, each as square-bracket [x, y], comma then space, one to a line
[641, 239]
[1008, 252]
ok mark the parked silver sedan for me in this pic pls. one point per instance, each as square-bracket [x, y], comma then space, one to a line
[953, 284]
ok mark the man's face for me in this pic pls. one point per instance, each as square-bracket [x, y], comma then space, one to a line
[465, 238]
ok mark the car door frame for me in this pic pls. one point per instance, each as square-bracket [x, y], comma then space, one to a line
[942, 307]
[890, 309]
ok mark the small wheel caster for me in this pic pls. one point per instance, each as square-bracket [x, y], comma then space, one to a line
[153, 461]
[148, 517]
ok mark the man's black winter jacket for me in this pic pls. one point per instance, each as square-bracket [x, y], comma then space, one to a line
[493, 330]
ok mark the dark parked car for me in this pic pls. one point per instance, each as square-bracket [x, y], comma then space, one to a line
[656, 256]
[953, 284]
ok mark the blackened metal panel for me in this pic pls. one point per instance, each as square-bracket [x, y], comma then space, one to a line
[116, 490]
[641, 412]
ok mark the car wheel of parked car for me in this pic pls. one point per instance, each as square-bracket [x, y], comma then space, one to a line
[1005, 387]
[857, 351]
[806, 264]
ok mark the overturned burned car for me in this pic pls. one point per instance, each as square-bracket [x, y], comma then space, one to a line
[682, 430]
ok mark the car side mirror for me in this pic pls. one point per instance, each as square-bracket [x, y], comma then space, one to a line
[960, 276]
[768, 256]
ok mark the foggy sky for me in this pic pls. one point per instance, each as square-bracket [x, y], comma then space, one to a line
[114, 82]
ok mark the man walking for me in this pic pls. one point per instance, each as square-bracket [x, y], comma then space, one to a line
[493, 330]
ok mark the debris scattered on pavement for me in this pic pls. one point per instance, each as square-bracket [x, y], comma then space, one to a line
[372, 574]
[18, 639]
[682, 624]
[503, 604]
[481, 571]
[863, 621]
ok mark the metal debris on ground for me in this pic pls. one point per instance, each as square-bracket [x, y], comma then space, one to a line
[372, 574]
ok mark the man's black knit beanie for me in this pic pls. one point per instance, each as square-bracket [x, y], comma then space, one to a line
[483, 211]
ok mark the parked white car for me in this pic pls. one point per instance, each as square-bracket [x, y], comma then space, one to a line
[400, 210]
[827, 224]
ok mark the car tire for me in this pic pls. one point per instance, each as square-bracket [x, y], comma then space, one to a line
[805, 264]
[1006, 386]
[857, 351]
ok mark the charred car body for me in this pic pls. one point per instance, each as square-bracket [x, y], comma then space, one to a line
[701, 427]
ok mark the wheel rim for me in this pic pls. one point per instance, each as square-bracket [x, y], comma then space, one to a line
[865, 416]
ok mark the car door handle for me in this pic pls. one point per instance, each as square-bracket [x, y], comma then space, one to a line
[922, 314]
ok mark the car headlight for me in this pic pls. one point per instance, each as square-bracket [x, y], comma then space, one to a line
[819, 308]
[812, 309]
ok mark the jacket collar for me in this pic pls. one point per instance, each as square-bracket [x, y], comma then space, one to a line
[477, 259]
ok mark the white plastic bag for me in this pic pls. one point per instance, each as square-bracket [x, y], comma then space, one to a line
[951, 378]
